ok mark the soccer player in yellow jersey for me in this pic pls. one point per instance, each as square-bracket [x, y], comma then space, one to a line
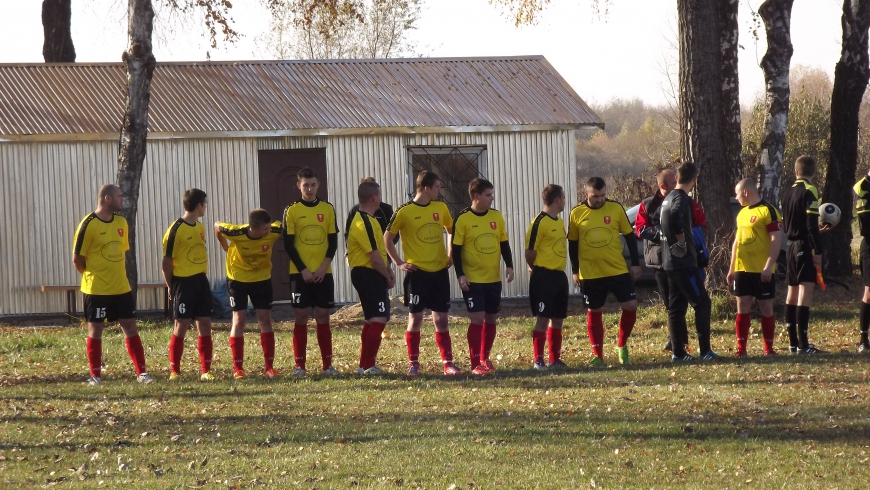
[310, 239]
[185, 263]
[98, 254]
[369, 273]
[249, 274]
[753, 264]
[598, 266]
[421, 223]
[546, 251]
[479, 240]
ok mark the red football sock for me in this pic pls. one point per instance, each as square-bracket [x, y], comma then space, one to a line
[237, 349]
[324, 340]
[741, 326]
[475, 332]
[412, 341]
[539, 339]
[445, 345]
[204, 346]
[488, 336]
[176, 350]
[595, 327]
[94, 348]
[374, 344]
[136, 352]
[768, 329]
[267, 341]
[363, 344]
[626, 325]
[300, 343]
[554, 338]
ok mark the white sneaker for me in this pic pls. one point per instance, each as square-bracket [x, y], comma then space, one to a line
[373, 371]
[145, 378]
[330, 371]
[360, 371]
[95, 381]
[299, 372]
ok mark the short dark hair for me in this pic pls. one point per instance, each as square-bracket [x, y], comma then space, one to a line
[596, 183]
[479, 186]
[367, 179]
[687, 173]
[106, 190]
[805, 166]
[366, 190]
[551, 193]
[259, 217]
[306, 173]
[426, 178]
[193, 198]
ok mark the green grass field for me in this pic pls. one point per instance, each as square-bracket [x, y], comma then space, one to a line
[783, 422]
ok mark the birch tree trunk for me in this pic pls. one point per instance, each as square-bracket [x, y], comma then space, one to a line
[57, 45]
[733, 156]
[140, 64]
[775, 64]
[850, 81]
[710, 113]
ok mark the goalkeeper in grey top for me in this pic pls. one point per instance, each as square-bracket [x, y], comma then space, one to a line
[679, 260]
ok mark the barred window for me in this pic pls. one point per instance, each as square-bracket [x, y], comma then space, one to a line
[457, 166]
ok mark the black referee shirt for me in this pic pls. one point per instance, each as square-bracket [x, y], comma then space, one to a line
[800, 214]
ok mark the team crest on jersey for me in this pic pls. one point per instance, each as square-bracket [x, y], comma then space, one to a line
[120, 232]
[435, 216]
[320, 218]
[493, 225]
[607, 220]
[265, 248]
[752, 219]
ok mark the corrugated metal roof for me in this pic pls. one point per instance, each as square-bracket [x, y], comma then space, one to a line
[58, 100]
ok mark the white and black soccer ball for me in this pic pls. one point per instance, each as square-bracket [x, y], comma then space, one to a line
[829, 213]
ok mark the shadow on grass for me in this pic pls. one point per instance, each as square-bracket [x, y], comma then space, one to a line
[510, 427]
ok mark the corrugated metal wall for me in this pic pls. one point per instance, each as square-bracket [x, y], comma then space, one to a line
[49, 186]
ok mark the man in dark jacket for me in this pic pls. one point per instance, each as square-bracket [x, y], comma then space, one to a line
[680, 262]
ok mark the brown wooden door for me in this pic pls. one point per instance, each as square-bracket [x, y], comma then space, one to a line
[278, 190]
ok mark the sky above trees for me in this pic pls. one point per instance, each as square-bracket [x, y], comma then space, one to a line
[624, 54]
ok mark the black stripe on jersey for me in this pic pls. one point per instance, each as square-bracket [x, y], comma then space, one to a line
[369, 230]
[456, 223]
[534, 234]
[229, 232]
[396, 213]
[334, 217]
[771, 210]
[80, 238]
[276, 229]
[170, 243]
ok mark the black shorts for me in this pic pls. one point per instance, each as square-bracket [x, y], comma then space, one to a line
[548, 293]
[595, 290]
[483, 296]
[191, 297]
[307, 294]
[750, 284]
[799, 263]
[427, 290]
[371, 287]
[865, 262]
[109, 307]
[260, 293]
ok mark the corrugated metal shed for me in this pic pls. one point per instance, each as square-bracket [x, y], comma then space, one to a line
[293, 98]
